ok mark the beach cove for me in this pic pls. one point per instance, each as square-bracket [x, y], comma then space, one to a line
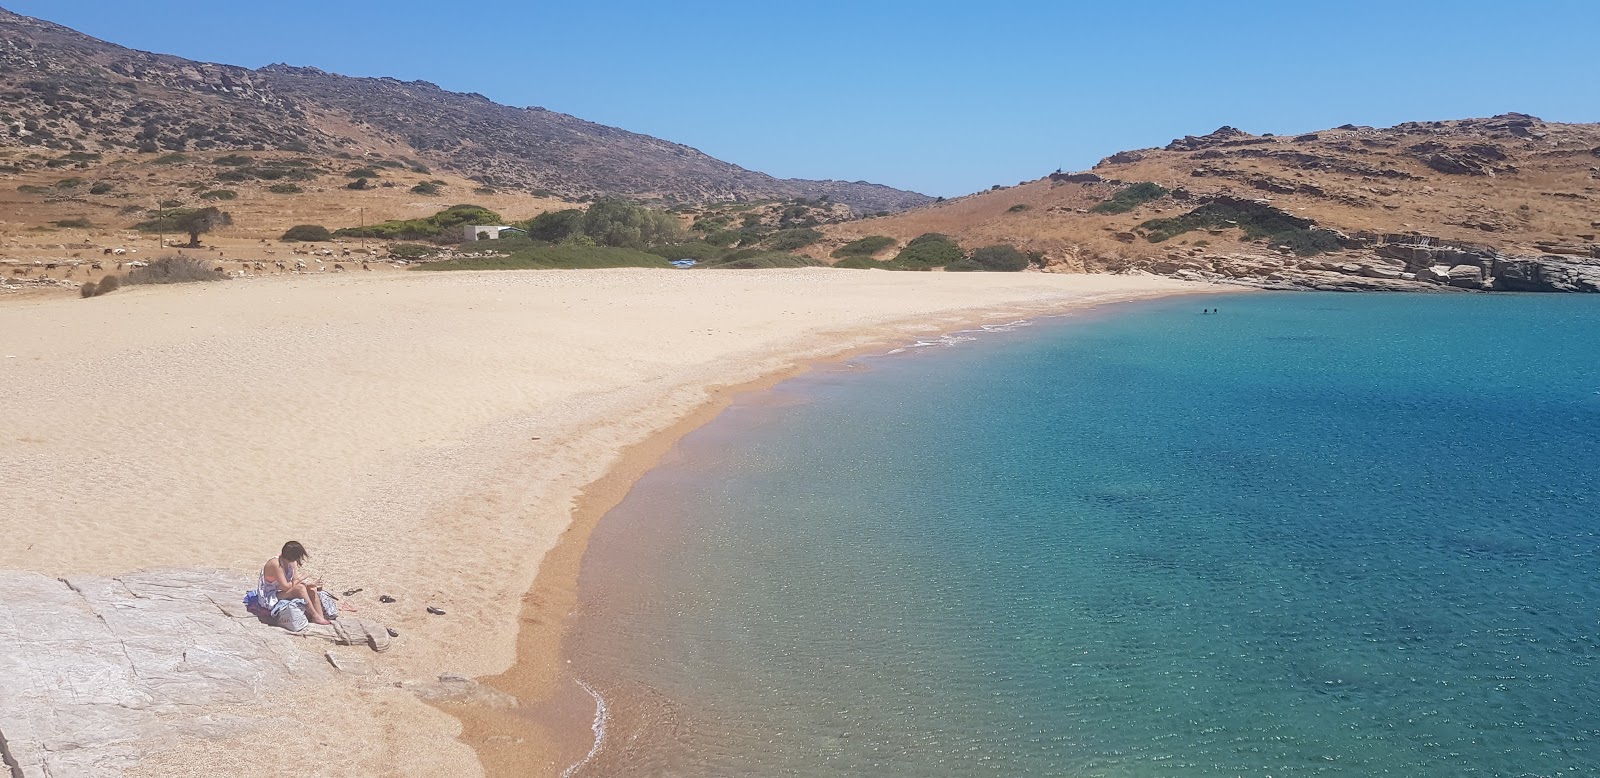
[427, 436]
[1318, 534]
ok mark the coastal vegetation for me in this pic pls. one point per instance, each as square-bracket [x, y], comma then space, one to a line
[1001, 258]
[105, 285]
[791, 239]
[307, 232]
[560, 256]
[1130, 198]
[864, 247]
[1273, 226]
[194, 221]
[758, 259]
[434, 226]
[172, 270]
[928, 251]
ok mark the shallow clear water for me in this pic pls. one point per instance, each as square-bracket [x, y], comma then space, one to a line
[1331, 535]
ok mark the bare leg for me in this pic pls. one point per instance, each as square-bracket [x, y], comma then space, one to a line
[313, 601]
[314, 606]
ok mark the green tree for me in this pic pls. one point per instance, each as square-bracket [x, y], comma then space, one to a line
[195, 221]
[556, 226]
[613, 222]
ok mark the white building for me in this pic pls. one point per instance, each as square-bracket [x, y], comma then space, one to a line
[471, 232]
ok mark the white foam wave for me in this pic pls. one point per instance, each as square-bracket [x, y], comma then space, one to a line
[961, 336]
[602, 717]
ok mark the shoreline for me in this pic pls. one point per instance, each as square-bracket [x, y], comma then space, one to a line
[501, 737]
[429, 436]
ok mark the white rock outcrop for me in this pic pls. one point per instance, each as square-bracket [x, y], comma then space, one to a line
[92, 669]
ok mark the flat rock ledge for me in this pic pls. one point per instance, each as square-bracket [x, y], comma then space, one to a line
[95, 670]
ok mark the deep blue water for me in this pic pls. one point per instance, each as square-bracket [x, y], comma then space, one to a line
[1330, 535]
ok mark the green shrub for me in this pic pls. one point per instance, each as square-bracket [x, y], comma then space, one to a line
[758, 260]
[1275, 226]
[172, 159]
[563, 256]
[1001, 258]
[100, 187]
[88, 289]
[789, 240]
[430, 227]
[80, 223]
[1018, 208]
[724, 238]
[928, 251]
[171, 203]
[358, 184]
[219, 194]
[69, 183]
[234, 160]
[425, 188]
[864, 247]
[173, 270]
[1131, 197]
[310, 233]
[556, 226]
[484, 190]
[697, 250]
[362, 172]
[33, 189]
[964, 265]
[285, 189]
[863, 263]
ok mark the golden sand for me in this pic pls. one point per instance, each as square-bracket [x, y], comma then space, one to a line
[426, 435]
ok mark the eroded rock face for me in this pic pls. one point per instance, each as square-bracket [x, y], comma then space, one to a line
[1546, 274]
[94, 669]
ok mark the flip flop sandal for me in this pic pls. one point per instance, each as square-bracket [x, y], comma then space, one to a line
[435, 611]
[352, 592]
[385, 598]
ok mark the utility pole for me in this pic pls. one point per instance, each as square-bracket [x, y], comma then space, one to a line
[363, 230]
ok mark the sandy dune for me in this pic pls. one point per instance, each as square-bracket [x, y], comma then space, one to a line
[424, 434]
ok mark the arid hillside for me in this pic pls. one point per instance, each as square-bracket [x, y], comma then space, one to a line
[62, 91]
[1352, 207]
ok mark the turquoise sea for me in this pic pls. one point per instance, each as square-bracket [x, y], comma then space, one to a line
[1312, 535]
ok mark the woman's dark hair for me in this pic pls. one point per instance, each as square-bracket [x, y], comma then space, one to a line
[294, 552]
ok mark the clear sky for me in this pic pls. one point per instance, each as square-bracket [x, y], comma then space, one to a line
[940, 97]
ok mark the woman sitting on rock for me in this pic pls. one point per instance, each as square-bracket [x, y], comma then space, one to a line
[288, 597]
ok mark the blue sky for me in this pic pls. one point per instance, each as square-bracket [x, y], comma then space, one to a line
[941, 97]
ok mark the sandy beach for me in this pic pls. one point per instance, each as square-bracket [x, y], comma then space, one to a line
[426, 435]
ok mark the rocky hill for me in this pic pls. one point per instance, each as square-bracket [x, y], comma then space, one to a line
[64, 91]
[1510, 202]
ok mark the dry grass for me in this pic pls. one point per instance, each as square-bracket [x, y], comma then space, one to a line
[1553, 197]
